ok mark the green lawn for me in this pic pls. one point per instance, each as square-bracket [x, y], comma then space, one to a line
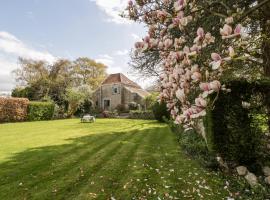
[109, 159]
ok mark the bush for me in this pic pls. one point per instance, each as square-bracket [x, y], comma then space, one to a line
[150, 100]
[109, 114]
[13, 109]
[40, 111]
[137, 114]
[121, 108]
[161, 112]
[236, 131]
[133, 106]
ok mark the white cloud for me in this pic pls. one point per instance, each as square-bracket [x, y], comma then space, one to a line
[121, 52]
[135, 36]
[105, 59]
[10, 49]
[113, 8]
[11, 45]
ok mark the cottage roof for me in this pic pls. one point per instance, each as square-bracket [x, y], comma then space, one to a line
[120, 78]
[138, 91]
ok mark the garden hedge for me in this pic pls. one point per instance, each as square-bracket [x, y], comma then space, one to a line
[40, 111]
[13, 109]
[137, 114]
[236, 125]
[160, 111]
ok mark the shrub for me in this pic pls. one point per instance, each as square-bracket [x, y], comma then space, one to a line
[109, 114]
[40, 111]
[194, 146]
[150, 100]
[133, 106]
[121, 108]
[13, 109]
[161, 112]
[235, 128]
[137, 114]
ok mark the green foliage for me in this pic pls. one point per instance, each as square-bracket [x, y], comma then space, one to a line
[13, 109]
[45, 80]
[138, 114]
[121, 108]
[194, 146]
[75, 98]
[160, 111]
[109, 114]
[40, 111]
[133, 106]
[235, 131]
[150, 100]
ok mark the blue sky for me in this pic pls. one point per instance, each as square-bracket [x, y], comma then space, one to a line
[51, 29]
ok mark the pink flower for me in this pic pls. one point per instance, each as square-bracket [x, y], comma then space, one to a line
[217, 60]
[200, 102]
[238, 29]
[180, 94]
[200, 32]
[168, 43]
[215, 85]
[179, 5]
[205, 86]
[226, 30]
[196, 76]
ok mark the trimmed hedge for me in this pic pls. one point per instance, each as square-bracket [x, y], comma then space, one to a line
[161, 112]
[13, 109]
[137, 114]
[40, 111]
[235, 131]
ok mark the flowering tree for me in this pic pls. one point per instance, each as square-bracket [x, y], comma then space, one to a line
[194, 57]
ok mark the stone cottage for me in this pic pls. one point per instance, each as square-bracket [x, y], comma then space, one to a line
[116, 90]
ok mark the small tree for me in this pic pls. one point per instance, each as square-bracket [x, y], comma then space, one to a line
[75, 98]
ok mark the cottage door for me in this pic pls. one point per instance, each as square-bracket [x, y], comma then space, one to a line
[107, 104]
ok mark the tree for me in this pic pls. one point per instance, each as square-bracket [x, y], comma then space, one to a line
[88, 71]
[42, 80]
[198, 43]
[74, 97]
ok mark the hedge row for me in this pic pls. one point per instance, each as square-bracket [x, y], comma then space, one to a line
[235, 130]
[40, 111]
[137, 114]
[13, 109]
[21, 109]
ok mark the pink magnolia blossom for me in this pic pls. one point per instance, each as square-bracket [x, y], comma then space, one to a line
[226, 30]
[200, 102]
[215, 85]
[217, 60]
[196, 76]
[238, 29]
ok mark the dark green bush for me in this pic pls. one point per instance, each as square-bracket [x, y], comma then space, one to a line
[132, 106]
[161, 112]
[40, 111]
[234, 129]
[121, 108]
[137, 114]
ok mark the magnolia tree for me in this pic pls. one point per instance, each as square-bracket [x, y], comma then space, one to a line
[193, 58]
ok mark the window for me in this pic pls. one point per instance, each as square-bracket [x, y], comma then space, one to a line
[115, 90]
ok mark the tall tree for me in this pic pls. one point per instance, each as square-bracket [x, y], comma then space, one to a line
[88, 71]
[199, 43]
